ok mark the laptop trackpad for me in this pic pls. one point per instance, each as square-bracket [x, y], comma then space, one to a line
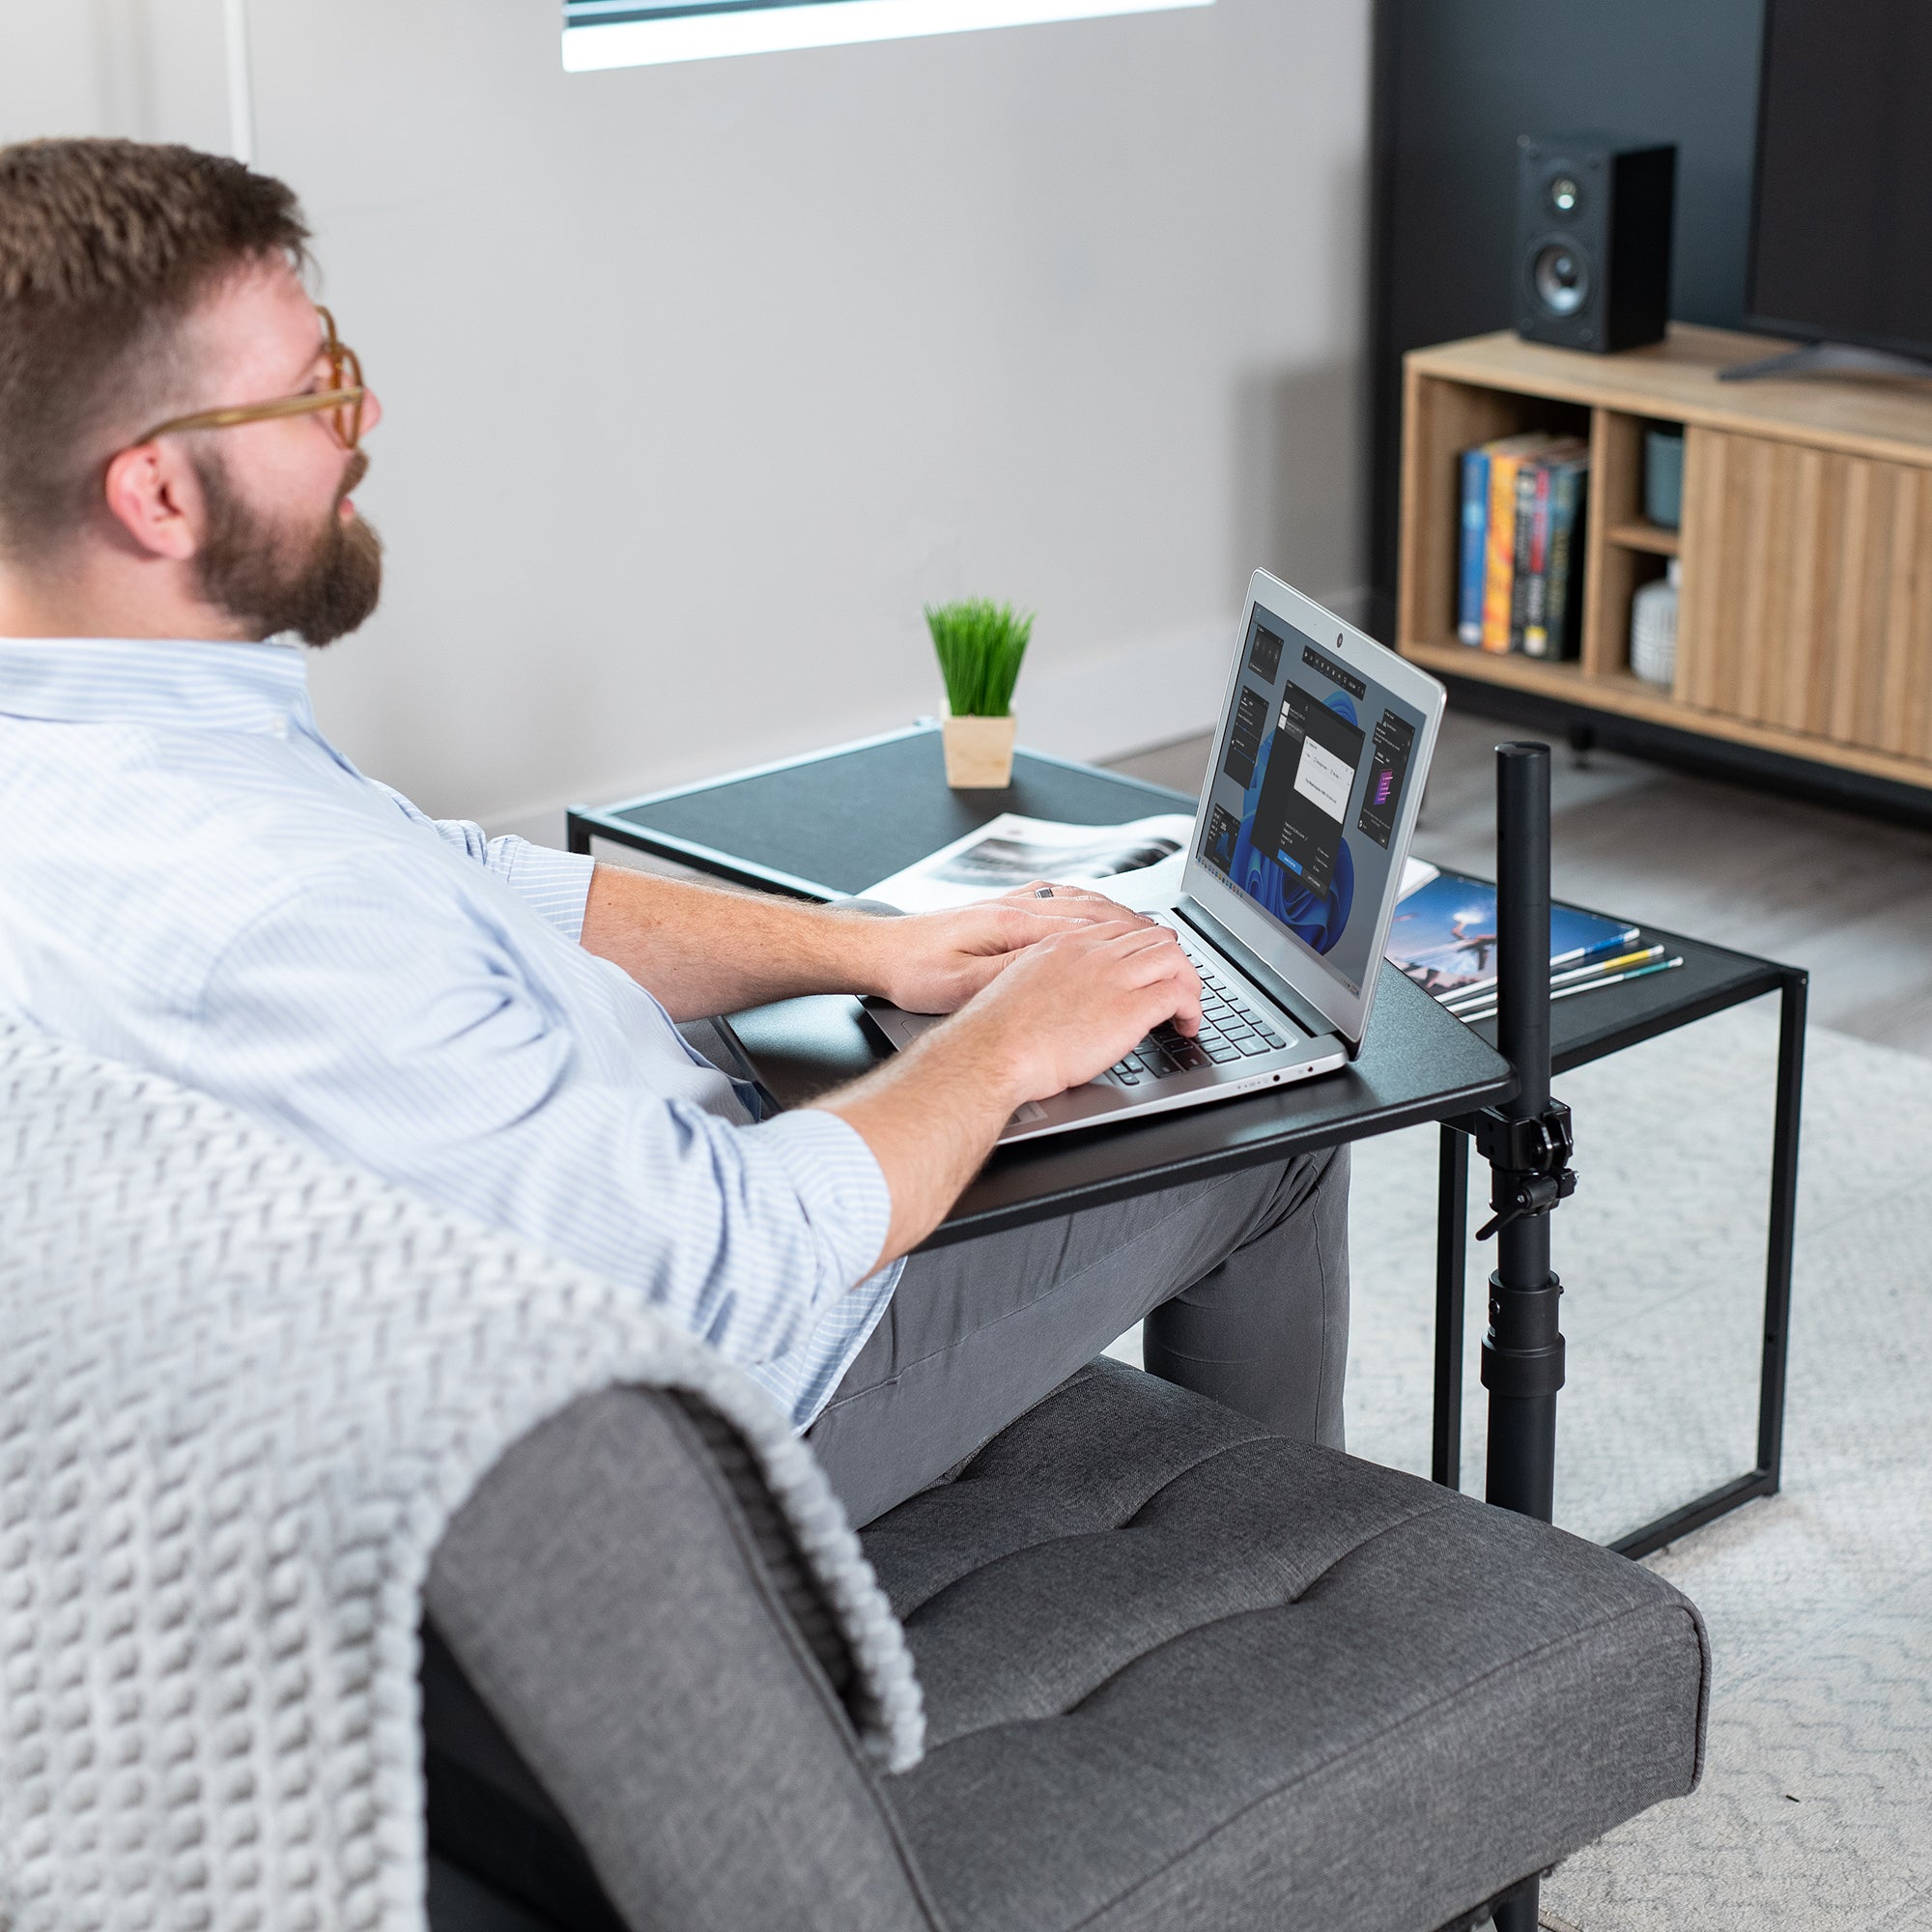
[802, 1049]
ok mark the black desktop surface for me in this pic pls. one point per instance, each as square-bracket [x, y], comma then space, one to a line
[1418, 1064]
[841, 821]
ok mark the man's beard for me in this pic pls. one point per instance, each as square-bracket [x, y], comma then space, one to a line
[321, 587]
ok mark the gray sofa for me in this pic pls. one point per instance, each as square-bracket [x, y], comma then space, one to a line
[1178, 1672]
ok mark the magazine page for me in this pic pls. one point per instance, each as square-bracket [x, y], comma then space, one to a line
[1445, 938]
[1012, 850]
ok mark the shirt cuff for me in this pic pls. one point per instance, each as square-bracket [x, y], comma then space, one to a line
[840, 1183]
[554, 885]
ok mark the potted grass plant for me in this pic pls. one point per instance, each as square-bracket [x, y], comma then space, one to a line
[979, 645]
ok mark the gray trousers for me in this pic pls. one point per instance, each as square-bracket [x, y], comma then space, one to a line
[1242, 1283]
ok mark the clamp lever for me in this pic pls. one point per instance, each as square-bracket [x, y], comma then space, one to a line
[1529, 1161]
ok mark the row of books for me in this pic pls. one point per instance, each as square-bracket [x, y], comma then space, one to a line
[1520, 586]
[1445, 938]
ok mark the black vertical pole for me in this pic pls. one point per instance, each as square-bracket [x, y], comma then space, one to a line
[1522, 1353]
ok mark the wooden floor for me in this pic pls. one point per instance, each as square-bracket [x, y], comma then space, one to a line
[1846, 896]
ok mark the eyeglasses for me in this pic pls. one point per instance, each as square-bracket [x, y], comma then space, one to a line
[341, 401]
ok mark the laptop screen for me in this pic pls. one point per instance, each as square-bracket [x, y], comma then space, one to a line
[1305, 793]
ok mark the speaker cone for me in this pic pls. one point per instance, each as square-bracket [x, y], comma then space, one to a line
[1560, 275]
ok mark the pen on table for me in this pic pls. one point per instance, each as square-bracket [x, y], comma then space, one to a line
[1587, 986]
[1485, 994]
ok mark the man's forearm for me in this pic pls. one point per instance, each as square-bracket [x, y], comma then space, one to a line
[1046, 991]
[930, 1116]
[705, 950]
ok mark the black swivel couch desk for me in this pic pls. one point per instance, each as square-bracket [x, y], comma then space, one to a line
[830, 824]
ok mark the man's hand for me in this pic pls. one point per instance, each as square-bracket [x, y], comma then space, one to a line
[702, 951]
[1070, 1006]
[1046, 987]
[1060, 1010]
[934, 962]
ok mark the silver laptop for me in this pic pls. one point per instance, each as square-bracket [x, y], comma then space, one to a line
[1293, 870]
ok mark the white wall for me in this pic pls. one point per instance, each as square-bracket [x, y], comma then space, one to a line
[701, 380]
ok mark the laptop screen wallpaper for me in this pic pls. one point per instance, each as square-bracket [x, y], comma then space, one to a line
[1305, 792]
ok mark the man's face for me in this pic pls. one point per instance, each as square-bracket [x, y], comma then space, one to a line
[282, 548]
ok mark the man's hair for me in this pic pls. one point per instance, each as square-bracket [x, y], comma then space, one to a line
[105, 247]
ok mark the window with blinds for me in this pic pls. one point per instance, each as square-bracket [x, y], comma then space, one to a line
[636, 33]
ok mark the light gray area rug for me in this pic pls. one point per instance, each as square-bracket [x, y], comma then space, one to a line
[1816, 1807]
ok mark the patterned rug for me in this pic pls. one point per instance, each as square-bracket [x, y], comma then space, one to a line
[1816, 1807]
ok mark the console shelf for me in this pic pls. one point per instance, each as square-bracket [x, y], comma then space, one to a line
[1805, 629]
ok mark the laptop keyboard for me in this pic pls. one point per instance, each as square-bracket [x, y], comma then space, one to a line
[1230, 1033]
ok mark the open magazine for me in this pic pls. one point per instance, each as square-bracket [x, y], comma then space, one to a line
[1445, 940]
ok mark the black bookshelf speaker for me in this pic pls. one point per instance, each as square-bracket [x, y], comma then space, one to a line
[1593, 216]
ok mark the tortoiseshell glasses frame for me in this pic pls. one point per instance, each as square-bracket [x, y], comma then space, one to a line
[341, 401]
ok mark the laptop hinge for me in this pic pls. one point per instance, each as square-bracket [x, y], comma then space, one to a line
[1295, 1004]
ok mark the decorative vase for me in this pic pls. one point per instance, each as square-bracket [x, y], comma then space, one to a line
[980, 752]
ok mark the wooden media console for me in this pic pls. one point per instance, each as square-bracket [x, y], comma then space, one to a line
[1804, 625]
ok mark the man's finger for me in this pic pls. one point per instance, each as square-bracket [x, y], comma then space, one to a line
[1135, 936]
[1046, 893]
[1020, 925]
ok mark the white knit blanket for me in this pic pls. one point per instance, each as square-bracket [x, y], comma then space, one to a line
[242, 1390]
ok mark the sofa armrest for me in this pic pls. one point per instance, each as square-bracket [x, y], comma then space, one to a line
[622, 1599]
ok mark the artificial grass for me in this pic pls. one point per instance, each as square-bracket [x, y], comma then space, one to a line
[979, 644]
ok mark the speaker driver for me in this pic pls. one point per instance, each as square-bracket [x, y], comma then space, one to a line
[1560, 275]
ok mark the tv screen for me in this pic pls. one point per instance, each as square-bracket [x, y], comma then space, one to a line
[1841, 244]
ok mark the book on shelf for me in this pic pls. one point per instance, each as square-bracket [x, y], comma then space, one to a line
[1521, 496]
[1443, 937]
[1475, 536]
[1506, 458]
[1528, 571]
[1549, 626]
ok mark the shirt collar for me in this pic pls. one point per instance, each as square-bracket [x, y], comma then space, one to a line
[187, 683]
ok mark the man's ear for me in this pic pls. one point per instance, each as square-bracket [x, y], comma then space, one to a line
[152, 493]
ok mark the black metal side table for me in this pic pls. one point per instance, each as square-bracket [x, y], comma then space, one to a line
[831, 823]
[1710, 981]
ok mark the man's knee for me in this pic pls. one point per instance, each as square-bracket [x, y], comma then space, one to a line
[1316, 1183]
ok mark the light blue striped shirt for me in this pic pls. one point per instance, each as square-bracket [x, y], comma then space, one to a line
[193, 880]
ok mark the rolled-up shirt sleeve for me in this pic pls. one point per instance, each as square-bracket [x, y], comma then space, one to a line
[555, 885]
[407, 1041]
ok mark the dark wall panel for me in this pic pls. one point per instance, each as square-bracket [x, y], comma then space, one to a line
[1456, 82]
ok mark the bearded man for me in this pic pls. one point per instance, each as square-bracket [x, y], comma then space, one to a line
[194, 880]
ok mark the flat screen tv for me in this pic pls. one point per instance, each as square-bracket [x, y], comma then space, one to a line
[1841, 228]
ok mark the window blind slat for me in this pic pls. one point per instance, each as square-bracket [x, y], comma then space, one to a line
[640, 33]
[609, 13]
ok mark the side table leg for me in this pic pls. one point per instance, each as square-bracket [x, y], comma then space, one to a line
[1763, 1479]
[1518, 1910]
[1783, 1226]
[1452, 1236]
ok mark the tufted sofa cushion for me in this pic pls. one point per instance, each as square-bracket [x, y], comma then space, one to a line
[1178, 1674]
[1181, 1673]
